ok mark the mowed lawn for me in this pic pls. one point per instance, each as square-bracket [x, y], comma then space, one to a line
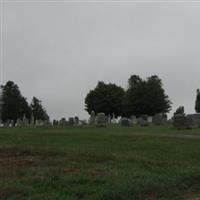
[115, 163]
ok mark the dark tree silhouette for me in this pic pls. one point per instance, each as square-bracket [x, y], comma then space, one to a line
[38, 112]
[105, 98]
[197, 103]
[15, 105]
[146, 97]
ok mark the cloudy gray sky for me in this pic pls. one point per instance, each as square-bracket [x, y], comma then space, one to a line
[57, 51]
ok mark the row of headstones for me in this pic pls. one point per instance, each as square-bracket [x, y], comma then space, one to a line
[70, 121]
[145, 120]
[25, 123]
[181, 120]
[102, 120]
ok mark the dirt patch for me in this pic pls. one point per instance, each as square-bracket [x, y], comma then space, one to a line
[193, 198]
[18, 157]
[98, 171]
[71, 170]
[19, 161]
[15, 152]
[10, 192]
[151, 197]
[11, 157]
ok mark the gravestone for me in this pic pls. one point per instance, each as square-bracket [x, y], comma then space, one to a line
[83, 122]
[143, 122]
[113, 120]
[101, 120]
[92, 118]
[71, 121]
[170, 121]
[133, 119]
[39, 123]
[25, 121]
[32, 120]
[46, 123]
[194, 118]
[157, 119]
[145, 117]
[19, 123]
[12, 123]
[63, 121]
[76, 120]
[181, 122]
[55, 122]
[150, 119]
[109, 119]
[7, 124]
[125, 122]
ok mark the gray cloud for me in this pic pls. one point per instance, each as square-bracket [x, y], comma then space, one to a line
[58, 53]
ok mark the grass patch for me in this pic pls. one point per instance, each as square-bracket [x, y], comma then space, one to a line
[91, 163]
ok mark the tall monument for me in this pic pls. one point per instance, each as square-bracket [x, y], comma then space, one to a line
[1, 103]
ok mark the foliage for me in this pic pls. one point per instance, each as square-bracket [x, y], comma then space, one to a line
[142, 97]
[106, 98]
[146, 97]
[38, 111]
[197, 103]
[15, 105]
[180, 110]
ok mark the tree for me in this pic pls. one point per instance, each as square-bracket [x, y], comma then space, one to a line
[145, 97]
[134, 81]
[105, 98]
[197, 103]
[180, 111]
[38, 112]
[15, 105]
[157, 99]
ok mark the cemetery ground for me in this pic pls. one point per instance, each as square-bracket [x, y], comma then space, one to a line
[114, 163]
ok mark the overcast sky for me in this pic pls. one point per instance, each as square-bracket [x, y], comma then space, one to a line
[59, 51]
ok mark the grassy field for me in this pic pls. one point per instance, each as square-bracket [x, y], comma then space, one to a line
[71, 163]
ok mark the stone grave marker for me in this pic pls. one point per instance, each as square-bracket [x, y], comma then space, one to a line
[101, 120]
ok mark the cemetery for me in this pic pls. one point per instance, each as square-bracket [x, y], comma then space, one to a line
[103, 157]
[99, 100]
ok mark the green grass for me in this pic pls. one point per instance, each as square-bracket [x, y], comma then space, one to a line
[115, 163]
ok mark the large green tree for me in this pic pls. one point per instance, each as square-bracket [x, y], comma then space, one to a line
[15, 105]
[129, 99]
[105, 98]
[197, 103]
[38, 111]
[145, 97]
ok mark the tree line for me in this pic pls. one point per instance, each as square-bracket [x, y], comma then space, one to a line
[141, 97]
[15, 105]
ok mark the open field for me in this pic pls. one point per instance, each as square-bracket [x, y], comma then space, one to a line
[71, 163]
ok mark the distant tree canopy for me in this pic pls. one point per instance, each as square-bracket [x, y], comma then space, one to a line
[105, 98]
[38, 111]
[146, 97]
[141, 97]
[197, 103]
[180, 110]
[15, 105]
